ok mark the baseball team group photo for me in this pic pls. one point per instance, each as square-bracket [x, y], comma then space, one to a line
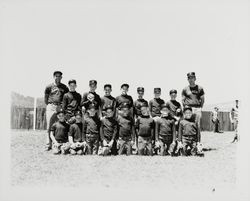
[126, 95]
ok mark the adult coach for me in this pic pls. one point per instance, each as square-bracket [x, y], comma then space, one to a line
[53, 96]
[193, 96]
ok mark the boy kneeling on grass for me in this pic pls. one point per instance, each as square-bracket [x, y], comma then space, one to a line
[76, 137]
[145, 126]
[189, 135]
[126, 131]
[165, 132]
[59, 134]
[108, 132]
[91, 130]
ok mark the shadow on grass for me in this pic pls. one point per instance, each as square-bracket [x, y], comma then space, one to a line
[209, 149]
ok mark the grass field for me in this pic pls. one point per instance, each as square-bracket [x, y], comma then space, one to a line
[31, 165]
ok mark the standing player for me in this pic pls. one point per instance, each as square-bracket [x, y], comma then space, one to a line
[59, 134]
[91, 130]
[139, 102]
[145, 131]
[91, 97]
[125, 98]
[53, 96]
[126, 131]
[234, 119]
[107, 100]
[71, 102]
[155, 104]
[193, 96]
[165, 133]
[215, 120]
[108, 132]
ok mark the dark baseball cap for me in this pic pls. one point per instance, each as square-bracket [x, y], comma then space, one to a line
[78, 113]
[173, 91]
[140, 89]
[125, 105]
[92, 82]
[92, 106]
[109, 107]
[164, 106]
[125, 85]
[108, 85]
[71, 81]
[157, 90]
[60, 111]
[191, 74]
[187, 108]
[57, 72]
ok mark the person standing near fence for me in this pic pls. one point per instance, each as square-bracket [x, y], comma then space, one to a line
[193, 96]
[53, 99]
[233, 115]
[215, 120]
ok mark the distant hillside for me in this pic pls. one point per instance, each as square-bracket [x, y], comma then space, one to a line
[25, 101]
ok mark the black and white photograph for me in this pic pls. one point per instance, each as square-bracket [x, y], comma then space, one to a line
[124, 100]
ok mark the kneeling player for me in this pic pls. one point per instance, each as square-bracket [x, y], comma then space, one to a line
[91, 130]
[76, 138]
[145, 130]
[165, 132]
[189, 134]
[126, 131]
[108, 132]
[59, 134]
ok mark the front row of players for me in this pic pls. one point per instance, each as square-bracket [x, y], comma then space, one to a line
[112, 136]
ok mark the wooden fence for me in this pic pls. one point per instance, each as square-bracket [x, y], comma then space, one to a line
[22, 118]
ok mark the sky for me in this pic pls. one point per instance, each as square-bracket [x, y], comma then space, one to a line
[143, 43]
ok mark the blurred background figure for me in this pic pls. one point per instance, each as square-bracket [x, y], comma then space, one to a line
[234, 119]
[215, 120]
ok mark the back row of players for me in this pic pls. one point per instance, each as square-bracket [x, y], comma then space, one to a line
[91, 124]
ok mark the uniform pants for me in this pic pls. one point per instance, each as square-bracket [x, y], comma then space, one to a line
[216, 123]
[92, 145]
[189, 145]
[124, 145]
[50, 112]
[145, 146]
[165, 142]
[110, 150]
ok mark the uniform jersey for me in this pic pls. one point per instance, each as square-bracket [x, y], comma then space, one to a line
[235, 113]
[192, 96]
[155, 106]
[188, 128]
[54, 93]
[165, 126]
[91, 126]
[109, 128]
[145, 124]
[71, 102]
[106, 101]
[85, 102]
[172, 106]
[215, 115]
[124, 99]
[125, 125]
[76, 131]
[137, 105]
[60, 131]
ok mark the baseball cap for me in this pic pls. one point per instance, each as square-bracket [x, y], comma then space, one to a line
[140, 89]
[92, 82]
[157, 90]
[60, 111]
[187, 108]
[173, 91]
[92, 106]
[191, 74]
[125, 105]
[107, 85]
[57, 72]
[164, 106]
[72, 81]
[125, 85]
[109, 107]
[144, 104]
[78, 113]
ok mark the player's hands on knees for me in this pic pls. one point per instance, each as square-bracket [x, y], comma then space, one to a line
[105, 143]
[111, 143]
